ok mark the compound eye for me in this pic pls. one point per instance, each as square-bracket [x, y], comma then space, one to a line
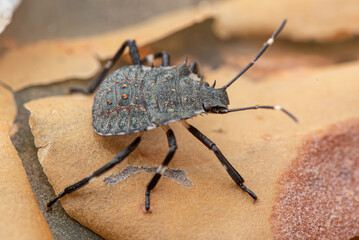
[207, 107]
[205, 84]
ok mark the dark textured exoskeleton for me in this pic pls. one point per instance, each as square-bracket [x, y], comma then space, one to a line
[136, 98]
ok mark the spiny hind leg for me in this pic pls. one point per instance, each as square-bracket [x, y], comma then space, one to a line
[161, 169]
[119, 158]
[237, 178]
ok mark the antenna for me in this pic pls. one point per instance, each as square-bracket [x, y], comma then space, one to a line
[259, 107]
[266, 45]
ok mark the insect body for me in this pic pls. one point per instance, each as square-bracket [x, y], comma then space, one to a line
[136, 98]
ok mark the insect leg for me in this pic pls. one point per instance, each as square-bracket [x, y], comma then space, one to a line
[119, 157]
[161, 169]
[164, 55]
[237, 178]
[135, 57]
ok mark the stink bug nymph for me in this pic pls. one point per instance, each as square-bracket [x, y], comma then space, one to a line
[137, 98]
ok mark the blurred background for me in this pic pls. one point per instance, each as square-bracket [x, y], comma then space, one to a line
[215, 33]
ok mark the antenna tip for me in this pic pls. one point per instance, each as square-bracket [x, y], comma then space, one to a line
[286, 112]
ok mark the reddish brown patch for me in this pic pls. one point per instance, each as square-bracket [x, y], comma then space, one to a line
[318, 197]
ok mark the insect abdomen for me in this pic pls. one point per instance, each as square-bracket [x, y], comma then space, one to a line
[138, 98]
[119, 106]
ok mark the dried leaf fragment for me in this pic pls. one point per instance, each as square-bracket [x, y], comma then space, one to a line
[56, 60]
[7, 106]
[21, 217]
[307, 20]
[46, 62]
